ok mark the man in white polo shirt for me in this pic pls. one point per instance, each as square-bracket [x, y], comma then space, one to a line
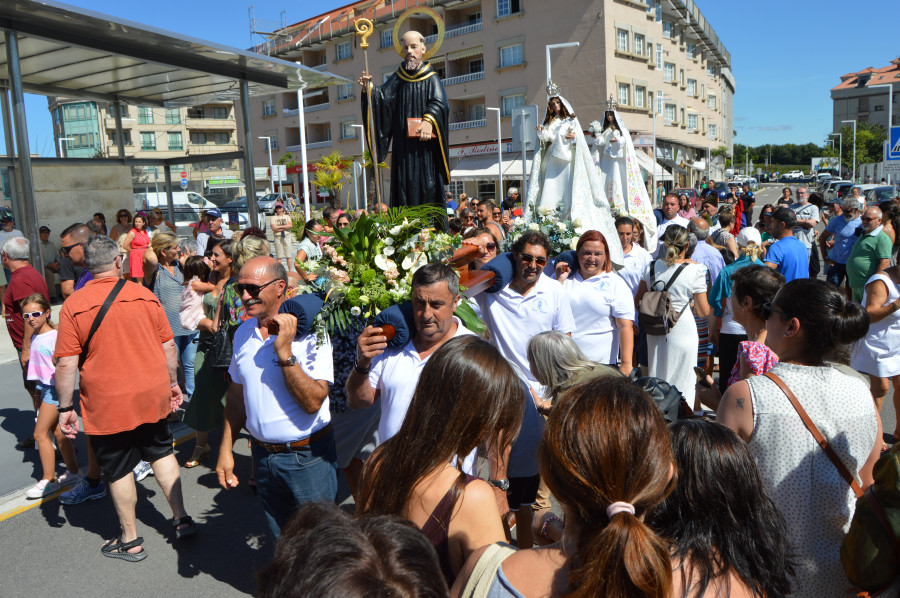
[392, 374]
[279, 392]
[670, 215]
[531, 303]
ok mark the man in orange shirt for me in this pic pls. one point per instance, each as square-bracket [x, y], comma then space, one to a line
[125, 423]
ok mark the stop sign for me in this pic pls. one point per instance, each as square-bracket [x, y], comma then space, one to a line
[183, 174]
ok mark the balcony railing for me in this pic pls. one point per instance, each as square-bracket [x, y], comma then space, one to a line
[294, 112]
[464, 29]
[317, 107]
[463, 78]
[468, 124]
[317, 144]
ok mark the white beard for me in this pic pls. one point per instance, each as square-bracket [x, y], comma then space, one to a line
[412, 64]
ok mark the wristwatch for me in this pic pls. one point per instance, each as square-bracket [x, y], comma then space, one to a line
[288, 362]
[501, 484]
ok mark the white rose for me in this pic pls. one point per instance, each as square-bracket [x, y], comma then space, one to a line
[388, 250]
[576, 223]
[561, 226]
[545, 210]
[389, 241]
[574, 243]
[396, 230]
[534, 226]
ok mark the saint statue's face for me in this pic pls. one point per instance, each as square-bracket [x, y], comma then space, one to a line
[413, 49]
[610, 118]
[555, 105]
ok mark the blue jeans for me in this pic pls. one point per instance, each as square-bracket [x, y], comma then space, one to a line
[286, 480]
[836, 274]
[187, 350]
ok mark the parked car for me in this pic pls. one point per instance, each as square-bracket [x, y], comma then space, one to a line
[186, 218]
[793, 175]
[829, 193]
[880, 193]
[689, 191]
[239, 208]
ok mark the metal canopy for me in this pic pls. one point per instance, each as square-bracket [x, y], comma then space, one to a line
[69, 51]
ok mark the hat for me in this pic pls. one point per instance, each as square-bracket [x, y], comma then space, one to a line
[214, 213]
[278, 204]
[747, 235]
[45, 229]
[7, 218]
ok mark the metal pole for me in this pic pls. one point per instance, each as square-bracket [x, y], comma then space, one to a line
[120, 141]
[653, 177]
[252, 209]
[524, 193]
[302, 117]
[499, 155]
[170, 197]
[10, 152]
[890, 121]
[29, 214]
[854, 147]
[60, 144]
[549, 47]
[271, 171]
[362, 148]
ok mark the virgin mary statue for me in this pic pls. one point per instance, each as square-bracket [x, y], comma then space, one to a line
[620, 172]
[563, 175]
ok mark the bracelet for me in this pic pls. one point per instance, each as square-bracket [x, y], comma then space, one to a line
[65, 409]
[547, 521]
[173, 385]
[359, 370]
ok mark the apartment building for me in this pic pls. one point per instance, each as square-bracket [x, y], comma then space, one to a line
[865, 96]
[87, 129]
[660, 60]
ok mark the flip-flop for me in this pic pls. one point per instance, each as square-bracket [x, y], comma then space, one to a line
[190, 530]
[116, 549]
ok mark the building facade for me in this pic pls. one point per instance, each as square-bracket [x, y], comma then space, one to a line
[864, 96]
[87, 129]
[660, 61]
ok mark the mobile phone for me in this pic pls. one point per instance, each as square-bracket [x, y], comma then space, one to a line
[701, 376]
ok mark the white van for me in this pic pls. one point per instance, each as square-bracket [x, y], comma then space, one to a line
[144, 201]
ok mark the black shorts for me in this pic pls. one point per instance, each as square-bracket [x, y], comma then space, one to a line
[118, 454]
[522, 492]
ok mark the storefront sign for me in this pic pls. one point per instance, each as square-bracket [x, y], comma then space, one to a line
[484, 149]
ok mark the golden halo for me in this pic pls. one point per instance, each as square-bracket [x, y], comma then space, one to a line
[427, 10]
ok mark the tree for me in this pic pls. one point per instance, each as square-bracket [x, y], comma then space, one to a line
[870, 140]
[330, 173]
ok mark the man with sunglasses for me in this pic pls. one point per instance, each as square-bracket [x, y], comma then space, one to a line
[279, 392]
[870, 254]
[72, 273]
[529, 304]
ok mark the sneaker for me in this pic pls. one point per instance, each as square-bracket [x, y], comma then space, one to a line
[142, 470]
[82, 492]
[69, 478]
[42, 488]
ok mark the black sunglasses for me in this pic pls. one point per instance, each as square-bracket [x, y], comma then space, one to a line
[252, 289]
[768, 309]
[67, 248]
[527, 259]
[490, 246]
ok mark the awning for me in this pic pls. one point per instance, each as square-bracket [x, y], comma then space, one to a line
[672, 165]
[465, 53]
[645, 161]
[512, 167]
[699, 165]
[475, 168]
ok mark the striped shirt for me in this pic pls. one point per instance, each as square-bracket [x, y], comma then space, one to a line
[167, 289]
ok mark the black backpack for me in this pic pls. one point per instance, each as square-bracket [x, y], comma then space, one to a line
[667, 397]
[656, 316]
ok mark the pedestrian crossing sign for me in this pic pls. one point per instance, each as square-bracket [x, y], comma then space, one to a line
[894, 144]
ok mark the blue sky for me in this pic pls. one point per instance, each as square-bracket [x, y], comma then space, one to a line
[786, 55]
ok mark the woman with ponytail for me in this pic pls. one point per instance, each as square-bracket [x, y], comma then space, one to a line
[607, 458]
[808, 321]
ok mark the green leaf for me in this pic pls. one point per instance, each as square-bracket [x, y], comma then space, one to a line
[469, 318]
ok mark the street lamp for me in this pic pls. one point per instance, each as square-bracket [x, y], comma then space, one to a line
[854, 147]
[890, 104]
[500, 151]
[271, 170]
[840, 150]
[362, 159]
[549, 47]
[61, 139]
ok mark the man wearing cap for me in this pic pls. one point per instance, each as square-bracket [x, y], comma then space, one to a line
[216, 232]
[50, 257]
[7, 231]
[280, 224]
[870, 254]
[843, 231]
[788, 254]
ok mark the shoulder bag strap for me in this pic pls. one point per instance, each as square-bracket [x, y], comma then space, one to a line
[842, 469]
[99, 318]
[674, 276]
[482, 577]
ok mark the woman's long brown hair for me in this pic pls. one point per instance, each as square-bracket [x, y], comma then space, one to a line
[606, 441]
[467, 395]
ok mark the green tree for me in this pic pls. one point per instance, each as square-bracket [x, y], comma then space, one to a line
[870, 140]
[331, 171]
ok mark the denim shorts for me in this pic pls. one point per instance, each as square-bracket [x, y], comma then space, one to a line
[48, 394]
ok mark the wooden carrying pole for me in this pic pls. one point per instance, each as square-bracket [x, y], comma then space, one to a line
[364, 29]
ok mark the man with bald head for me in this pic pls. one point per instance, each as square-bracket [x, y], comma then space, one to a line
[705, 253]
[279, 392]
[870, 254]
[419, 164]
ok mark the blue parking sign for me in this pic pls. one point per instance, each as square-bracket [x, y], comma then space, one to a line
[894, 146]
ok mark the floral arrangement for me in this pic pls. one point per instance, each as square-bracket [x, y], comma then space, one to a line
[563, 233]
[369, 267]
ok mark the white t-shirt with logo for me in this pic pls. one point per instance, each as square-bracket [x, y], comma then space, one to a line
[596, 303]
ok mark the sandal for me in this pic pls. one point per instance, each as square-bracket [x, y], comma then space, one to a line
[199, 456]
[116, 549]
[190, 530]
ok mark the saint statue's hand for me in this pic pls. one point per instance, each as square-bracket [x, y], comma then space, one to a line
[540, 128]
[426, 131]
[364, 79]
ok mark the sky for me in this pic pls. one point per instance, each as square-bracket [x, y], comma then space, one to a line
[786, 55]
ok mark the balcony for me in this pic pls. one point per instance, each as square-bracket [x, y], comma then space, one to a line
[468, 124]
[463, 78]
[208, 124]
[286, 112]
[462, 30]
[317, 107]
[309, 146]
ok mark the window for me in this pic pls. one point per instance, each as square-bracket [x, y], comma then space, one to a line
[476, 66]
[713, 131]
[145, 116]
[863, 105]
[173, 116]
[476, 112]
[508, 7]
[219, 112]
[225, 139]
[126, 137]
[621, 40]
[682, 117]
[710, 70]
[638, 44]
[113, 108]
[509, 103]
[879, 108]
[342, 51]
[623, 94]
[659, 103]
[692, 122]
[345, 92]
[387, 37]
[441, 73]
[669, 113]
[511, 55]
[148, 141]
[668, 29]
[487, 189]
[268, 107]
[681, 76]
[692, 87]
[473, 19]
[175, 141]
[77, 112]
[702, 91]
[347, 130]
[456, 187]
[81, 140]
[659, 55]
[668, 72]
[690, 50]
[639, 94]
[198, 138]
[711, 102]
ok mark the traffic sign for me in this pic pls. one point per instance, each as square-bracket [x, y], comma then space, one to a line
[893, 152]
[183, 174]
[184, 183]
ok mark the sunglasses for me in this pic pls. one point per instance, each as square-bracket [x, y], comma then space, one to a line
[497, 213]
[67, 248]
[527, 259]
[768, 309]
[343, 224]
[33, 314]
[252, 289]
[866, 219]
[490, 246]
[120, 216]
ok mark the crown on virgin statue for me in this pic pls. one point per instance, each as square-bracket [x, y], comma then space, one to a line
[552, 89]
[611, 103]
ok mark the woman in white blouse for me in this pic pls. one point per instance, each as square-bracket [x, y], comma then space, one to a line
[601, 303]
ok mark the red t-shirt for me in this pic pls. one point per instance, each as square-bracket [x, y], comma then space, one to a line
[23, 282]
[125, 377]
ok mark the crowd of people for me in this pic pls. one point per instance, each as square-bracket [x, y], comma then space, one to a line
[543, 404]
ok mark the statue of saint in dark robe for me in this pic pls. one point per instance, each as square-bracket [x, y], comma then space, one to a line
[419, 166]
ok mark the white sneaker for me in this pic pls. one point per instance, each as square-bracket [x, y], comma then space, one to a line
[69, 478]
[142, 470]
[42, 488]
